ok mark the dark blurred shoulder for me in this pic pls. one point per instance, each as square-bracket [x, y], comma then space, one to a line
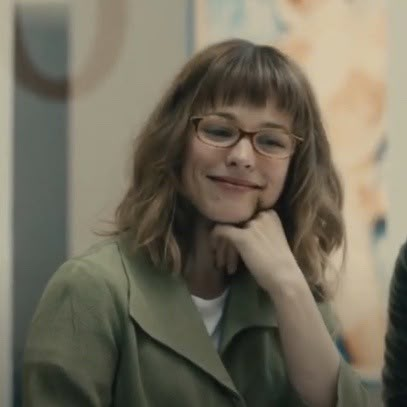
[403, 254]
[401, 263]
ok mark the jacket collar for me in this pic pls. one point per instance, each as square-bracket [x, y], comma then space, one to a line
[161, 305]
[248, 306]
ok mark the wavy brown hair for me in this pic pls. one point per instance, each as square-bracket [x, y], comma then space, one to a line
[153, 213]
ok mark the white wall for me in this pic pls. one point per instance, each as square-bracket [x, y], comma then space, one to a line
[6, 198]
[136, 53]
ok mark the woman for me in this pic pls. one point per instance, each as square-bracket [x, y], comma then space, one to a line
[212, 291]
[395, 366]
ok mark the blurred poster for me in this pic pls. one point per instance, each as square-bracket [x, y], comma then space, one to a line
[342, 46]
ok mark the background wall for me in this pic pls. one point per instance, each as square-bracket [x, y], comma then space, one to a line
[124, 53]
[396, 168]
[6, 45]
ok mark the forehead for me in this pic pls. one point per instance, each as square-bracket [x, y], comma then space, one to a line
[249, 116]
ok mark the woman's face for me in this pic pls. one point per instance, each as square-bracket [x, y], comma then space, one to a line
[229, 185]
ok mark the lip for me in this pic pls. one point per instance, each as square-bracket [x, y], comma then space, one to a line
[235, 182]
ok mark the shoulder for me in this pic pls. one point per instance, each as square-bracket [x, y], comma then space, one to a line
[95, 278]
[82, 311]
[100, 263]
[398, 287]
[402, 257]
[394, 372]
[400, 269]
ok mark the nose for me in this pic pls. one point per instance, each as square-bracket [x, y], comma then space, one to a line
[241, 155]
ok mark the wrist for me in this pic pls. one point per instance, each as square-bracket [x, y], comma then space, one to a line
[291, 285]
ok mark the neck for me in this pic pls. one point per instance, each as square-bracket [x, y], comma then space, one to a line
[203, 278]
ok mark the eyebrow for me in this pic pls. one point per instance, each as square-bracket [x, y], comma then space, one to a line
[231, 116]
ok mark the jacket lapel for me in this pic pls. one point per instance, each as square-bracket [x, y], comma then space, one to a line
[161, 305]
[248, 306]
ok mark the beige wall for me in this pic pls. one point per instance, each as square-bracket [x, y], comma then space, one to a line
[396, 171]
[6, 198]
[136, 54]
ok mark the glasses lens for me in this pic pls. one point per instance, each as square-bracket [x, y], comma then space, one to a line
[217, 132]
[274, 143]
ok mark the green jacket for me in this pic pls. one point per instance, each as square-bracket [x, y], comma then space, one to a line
[110, 330]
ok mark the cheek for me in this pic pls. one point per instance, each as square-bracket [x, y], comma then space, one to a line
[191, 161]
[276, 179]
[201, 157]
[198, 159]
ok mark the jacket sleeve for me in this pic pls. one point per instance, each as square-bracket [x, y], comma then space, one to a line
[72, 345]
[395, 359]
[350, 390]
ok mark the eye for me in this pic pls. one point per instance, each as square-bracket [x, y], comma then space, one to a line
[273, 139]
[218, 131]
[271, 142]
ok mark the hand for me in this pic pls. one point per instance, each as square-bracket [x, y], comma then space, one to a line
[263, 247]
[226, 256]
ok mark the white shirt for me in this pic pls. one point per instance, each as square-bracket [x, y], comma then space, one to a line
[211, 312]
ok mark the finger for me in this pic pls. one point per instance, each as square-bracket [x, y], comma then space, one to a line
[220, 253]
[234, 235]
[261, 218]
[218, 244]
[273, 217]
[265, 222]
[232, 259]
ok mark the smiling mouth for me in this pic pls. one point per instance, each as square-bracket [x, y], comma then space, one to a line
[235, 182]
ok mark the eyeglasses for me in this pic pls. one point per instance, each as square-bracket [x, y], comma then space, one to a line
[273, 142]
